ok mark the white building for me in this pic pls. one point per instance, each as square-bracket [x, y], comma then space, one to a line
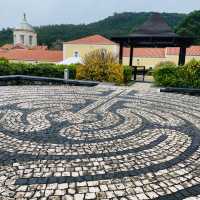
[25, 34]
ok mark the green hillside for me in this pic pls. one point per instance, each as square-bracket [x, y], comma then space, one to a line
[118, 24]
[191, 26]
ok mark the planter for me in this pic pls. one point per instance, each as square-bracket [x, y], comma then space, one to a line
[35, 80]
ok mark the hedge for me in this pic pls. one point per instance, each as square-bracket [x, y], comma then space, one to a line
[111, 73]
[187, 76]
[41, 69]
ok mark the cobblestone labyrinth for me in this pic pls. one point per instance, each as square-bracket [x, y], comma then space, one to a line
[94, 143]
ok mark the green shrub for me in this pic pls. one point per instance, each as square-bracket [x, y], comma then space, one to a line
[82, 72]
[4, 67]
[97, 64]
[116, 74]
[40, 69]
[3, 61]
[192, 73]
[101, 65]
[165, 64]
[166, 76]
[178, 76]
[127, 74]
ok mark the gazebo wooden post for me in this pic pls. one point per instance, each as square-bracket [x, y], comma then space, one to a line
[121, 46]
[182, 55]
[131, 56]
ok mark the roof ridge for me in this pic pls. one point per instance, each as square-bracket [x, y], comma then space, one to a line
[92, 39]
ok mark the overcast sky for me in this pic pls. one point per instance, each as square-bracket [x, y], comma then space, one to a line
[43, 12]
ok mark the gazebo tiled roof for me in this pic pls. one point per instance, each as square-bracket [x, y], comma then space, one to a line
[155, 32]
[155, 26]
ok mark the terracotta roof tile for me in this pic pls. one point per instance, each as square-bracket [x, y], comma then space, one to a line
[94, 39]
[20, 46]
[172, 51]
[146, 52]
[44, 47]
[7, 46]
[32, 55]
[192, 51]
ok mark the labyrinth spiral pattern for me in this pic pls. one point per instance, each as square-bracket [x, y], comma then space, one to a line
[67, 142]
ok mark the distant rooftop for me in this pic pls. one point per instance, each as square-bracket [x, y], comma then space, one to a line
[94, 40]
[161, 52]
[21, 46]
[191, 51]
[145, 52]
[21, 53]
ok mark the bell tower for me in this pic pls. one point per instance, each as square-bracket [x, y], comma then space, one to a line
[25, 34]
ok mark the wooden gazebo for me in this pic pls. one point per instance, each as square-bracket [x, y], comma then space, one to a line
[156, 33]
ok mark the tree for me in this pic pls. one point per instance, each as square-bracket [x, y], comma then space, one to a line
[57, 45]
[190, 26]
[6, 36]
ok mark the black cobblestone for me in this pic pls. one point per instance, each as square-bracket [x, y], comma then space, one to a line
[65, 142]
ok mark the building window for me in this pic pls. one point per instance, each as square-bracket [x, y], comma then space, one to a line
[76, 54]
[22, 39]
[30, 39]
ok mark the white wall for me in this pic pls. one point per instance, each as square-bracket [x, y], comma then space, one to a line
[17, 38]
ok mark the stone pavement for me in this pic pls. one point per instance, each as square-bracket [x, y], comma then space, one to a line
[74, 143]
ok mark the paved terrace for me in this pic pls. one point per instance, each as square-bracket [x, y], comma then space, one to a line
[74, 143]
